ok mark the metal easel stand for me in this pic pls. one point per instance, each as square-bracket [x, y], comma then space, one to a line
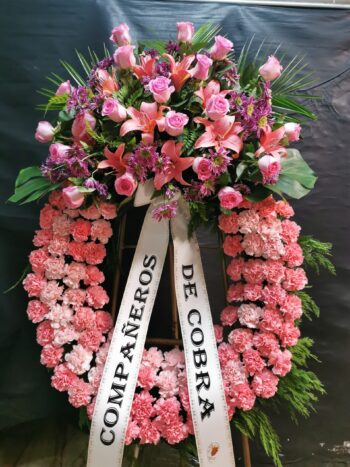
[176, 339]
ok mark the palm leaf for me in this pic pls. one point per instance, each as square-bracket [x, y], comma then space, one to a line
[73, 73]
[204, 35]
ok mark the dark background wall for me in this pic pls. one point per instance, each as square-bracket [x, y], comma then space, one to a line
[34, 35]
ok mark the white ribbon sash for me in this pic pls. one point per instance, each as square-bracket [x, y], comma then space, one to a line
[117, 388]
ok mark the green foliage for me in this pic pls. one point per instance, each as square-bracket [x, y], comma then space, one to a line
[84, 421]
[189, 138]
[31, 185]
[54, 103]
[296, 178]
[204, 35]
[310, 308]
[255, 422]
[289, 105]
[302, 352]
[316, 254]
[298, 391]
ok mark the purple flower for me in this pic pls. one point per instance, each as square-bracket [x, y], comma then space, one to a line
[163, 69]
[220, 161]
[143, 161]
[101, 188]
[165, 211]
[172, 47]
[153, 53]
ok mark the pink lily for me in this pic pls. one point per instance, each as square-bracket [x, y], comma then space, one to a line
[114, 159]
[107, 85]
[212, 88]
[222, 133]
[144, 120]
[269, 142]
[177, 166]
[146, 68]
[179, 70]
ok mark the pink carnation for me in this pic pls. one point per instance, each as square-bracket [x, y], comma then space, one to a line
[229, 315]
[292, 307]
[274, 271]
[47, 216]
[226, 353]
[253, 244]
[101, 230]
[37, 259]
[84, 318]
[61, 225]
[289, 334]
[235, 268]
[94, 253]
[107, 210]
[272, 321]
[91, 213]
[44, 333]
[233, 373]
[60, 315]
[265, 342]
[273, 247]
[79, 359]
[167, 382]
[54, 268]
[142, 407]
[42, 238]
[77, 251]
[65, 335]
[63, 378]
[51, 293]
[264, 384]
[243, 397]
[75, 273]
[56, 200]
[232, 245]
[290, 231]
[74, 297]
[253, 362]
[229, 223]
[149, 433]
[96, 296]
[153, 356]
[273, 294]
[241, 339]
[93, 276]
[295, 279]
[175, 432]
[252, 292]
[281, 361]
[249, 315]
[132, 432]
[80, 230]
[58, 246]
[235, 293]
[91, 339]
[104, 322]
[218, 332]
[94, 377]
[79, 393]
[284, 209]
[34, 284]
[147, 377]
[175, 358]
[293, 254]
[51, 355]
[248, 221]
[266, 207]
[254, 271]
[36, 311]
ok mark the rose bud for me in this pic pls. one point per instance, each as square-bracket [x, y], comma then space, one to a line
[44, 132]
[270, 168]
[73, 197]
[161, 89]
[175, 122]
[114, 110]
[185, 31]
[221, 48]
[58, 152]
[202, 167]
[120, 35]
[64, 88]
[125, 185]
[201, 69]
[292, 131]
[271, 69]
[124, 56]
[229, 197]
[217, 107]
[80, 123]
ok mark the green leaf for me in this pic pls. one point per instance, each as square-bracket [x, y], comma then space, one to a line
[31, 185]
[289, 104]
[316, 253]
[259, 193]
[26, 174]
[204, 35]
[241, 167]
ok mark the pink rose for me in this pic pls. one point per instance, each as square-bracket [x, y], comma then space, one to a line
[185, 31]
[202, 167]
[72, 197]
[175, 122]
[201, 69]
[44, 132]
[229, 197]
[270, 168]
[217, 107]
[81, 121]
[58, 151]
[125, 185]
[113, 109]
[120, 35]
[64, 88]
[292, 131]
[161, 89]
[124, 56]
[271, 69]
[221, 48]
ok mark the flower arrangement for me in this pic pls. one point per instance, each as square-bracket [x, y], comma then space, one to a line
[192, 121]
